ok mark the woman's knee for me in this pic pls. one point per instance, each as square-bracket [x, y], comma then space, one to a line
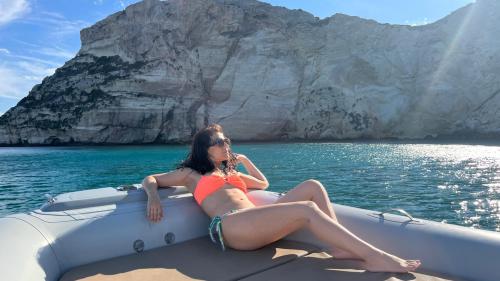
[307, 207]
[308, 211]
[315, 184]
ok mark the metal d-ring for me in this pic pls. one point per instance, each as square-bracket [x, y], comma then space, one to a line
[399, 210]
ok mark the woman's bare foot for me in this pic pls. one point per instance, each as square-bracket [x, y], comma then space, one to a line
[340, 254]
[383, 262]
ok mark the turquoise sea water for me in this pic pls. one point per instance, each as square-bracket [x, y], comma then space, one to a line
[457, 184]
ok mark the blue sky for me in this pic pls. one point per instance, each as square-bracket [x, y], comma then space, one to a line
[38, 36]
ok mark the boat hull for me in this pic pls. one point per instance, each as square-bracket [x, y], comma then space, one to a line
[82, 227]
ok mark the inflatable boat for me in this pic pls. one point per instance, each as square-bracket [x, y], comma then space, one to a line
[103, 234]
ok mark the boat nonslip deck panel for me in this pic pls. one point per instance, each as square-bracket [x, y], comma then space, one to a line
[200, 259]
[196, 259]
[321, 266]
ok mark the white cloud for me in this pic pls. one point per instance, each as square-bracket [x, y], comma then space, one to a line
[53, 14]
[12, 9]
[37, 60]
[17, 79]
[58, 24]
[5, 51]
[419, 22]
[19, 73]
[65, 27]
[51, 51]
[12, 85]
[56, 52]
[35, 71]
[24, 42]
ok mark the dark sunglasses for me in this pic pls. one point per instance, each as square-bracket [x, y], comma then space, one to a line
[220, 142]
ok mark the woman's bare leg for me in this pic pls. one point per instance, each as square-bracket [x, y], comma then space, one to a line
[310, 190]
[313, 190]
[253, 228]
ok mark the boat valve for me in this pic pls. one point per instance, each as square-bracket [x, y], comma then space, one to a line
[50, 198]
[169, 238]
[138, 245]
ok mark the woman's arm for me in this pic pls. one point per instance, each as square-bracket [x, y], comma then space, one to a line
[256, 178]
[172, 178]
[151, 184]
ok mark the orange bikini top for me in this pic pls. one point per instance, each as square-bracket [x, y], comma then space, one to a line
[211, 183]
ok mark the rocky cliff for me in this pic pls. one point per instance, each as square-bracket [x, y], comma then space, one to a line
[159, 70]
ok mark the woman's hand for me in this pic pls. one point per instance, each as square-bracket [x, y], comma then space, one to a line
[239, 158]
[155, 209]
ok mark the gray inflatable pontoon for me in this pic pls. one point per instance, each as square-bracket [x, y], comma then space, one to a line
[103, 234]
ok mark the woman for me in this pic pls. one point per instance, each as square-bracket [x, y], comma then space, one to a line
[209, 173]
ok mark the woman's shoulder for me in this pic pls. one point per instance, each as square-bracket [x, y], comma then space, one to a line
[191, 177]
[237, 173]
[185, 171]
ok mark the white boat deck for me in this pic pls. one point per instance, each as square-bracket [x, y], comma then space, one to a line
[200, 259]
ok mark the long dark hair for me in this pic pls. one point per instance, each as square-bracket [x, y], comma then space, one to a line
[199, 160]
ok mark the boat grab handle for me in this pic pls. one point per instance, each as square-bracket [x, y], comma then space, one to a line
[126, 187]
[399, 210]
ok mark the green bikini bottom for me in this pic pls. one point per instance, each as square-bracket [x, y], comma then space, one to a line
[216, 224]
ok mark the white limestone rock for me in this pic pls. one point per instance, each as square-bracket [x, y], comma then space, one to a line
[159, 70]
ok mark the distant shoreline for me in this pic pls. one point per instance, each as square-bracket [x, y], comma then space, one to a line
[492, 141]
